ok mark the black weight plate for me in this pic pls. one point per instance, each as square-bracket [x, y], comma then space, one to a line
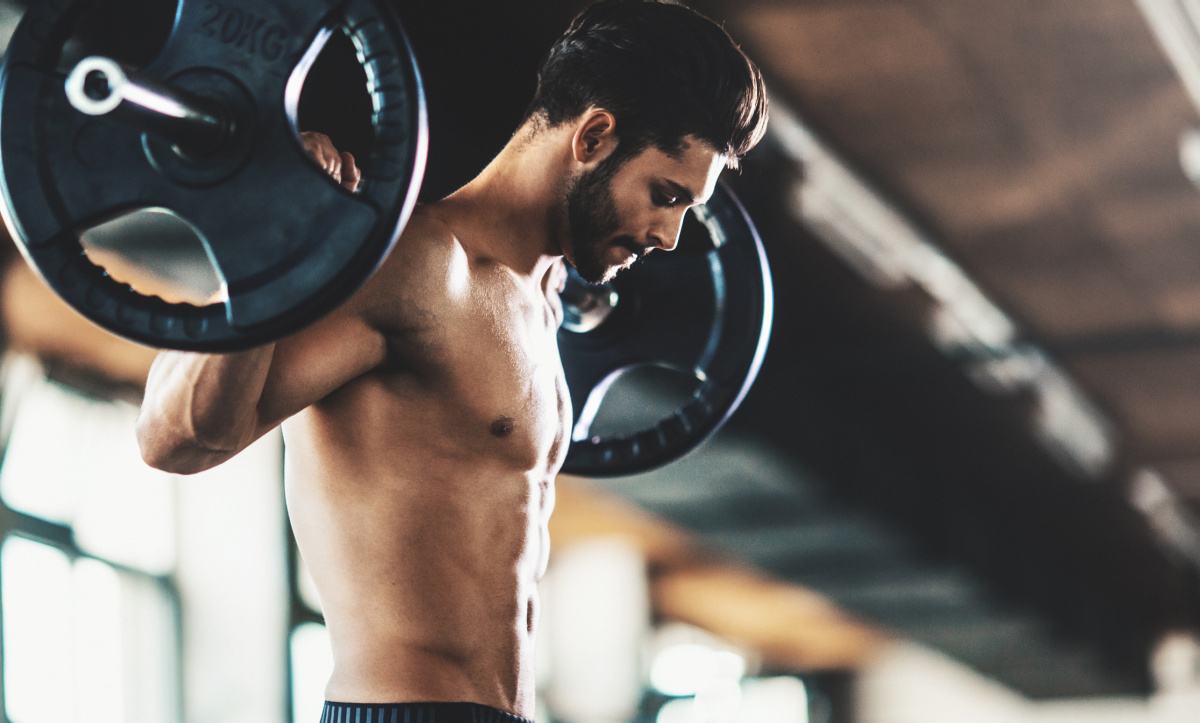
[289, 243]
[708, 314]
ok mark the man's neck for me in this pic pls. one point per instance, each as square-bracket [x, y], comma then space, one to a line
[510, 211]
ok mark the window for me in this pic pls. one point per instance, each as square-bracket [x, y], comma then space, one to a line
[311, 660]
[89, 616]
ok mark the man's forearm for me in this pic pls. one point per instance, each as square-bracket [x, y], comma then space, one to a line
[201, 403]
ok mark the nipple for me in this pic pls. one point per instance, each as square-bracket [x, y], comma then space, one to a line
[503, 427]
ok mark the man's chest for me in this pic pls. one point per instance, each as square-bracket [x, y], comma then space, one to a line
[495, 365]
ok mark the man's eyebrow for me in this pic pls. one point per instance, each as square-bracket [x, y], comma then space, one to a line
[681, 190]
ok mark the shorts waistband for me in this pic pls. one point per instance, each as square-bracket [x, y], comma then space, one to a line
[416, 713]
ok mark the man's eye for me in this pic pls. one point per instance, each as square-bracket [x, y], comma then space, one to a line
[663, 199]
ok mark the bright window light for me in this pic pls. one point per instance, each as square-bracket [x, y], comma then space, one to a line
[99, 650]
[83, 642]
[39, 460]
[38, 641]
[766, 700]
[312, 664]
[719, 697]
[596, 602]
[679, 669]
[689, 668]
[678, 711]
[304, 582]
[774, 700]
[74, 460]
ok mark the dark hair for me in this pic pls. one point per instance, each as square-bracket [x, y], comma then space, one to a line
[664, 71]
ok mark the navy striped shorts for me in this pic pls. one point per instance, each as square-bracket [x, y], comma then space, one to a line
[415, 713]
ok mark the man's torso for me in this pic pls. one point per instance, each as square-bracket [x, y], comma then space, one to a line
[420, 493]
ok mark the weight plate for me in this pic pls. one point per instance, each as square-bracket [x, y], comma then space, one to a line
[289, 244]
[707, 314]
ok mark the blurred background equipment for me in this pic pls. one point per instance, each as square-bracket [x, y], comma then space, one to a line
[965, 488]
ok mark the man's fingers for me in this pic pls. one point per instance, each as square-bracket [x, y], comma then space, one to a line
[320, 148]
[314, 144]
[351, 175]
[334, 166]
[341, 167]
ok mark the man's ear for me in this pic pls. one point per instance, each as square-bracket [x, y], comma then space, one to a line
[595, 136]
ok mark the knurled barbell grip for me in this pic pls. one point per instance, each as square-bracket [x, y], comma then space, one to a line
[98, 86]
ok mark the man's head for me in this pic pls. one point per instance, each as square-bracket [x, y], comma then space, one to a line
[659, 99]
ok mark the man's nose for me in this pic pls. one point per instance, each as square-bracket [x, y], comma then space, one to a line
[667, 237]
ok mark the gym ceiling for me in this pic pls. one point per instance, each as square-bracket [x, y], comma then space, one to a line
[977, 423]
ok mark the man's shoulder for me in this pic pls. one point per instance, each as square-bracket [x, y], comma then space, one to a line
[427, 270]
[427, 245]
[424, 279]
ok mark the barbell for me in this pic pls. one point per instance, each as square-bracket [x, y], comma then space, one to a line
[209, 130]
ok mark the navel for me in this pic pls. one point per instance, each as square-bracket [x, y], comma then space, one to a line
[503, 427]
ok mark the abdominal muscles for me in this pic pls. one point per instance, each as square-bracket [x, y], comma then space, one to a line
[425, 545]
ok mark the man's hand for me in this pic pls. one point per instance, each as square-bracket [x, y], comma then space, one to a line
[340, 166]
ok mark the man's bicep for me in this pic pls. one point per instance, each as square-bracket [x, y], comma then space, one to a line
[317, 361]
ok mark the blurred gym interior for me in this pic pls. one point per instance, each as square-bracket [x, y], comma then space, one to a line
[965, 487]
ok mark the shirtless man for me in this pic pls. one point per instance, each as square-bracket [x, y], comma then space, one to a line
[426, 418]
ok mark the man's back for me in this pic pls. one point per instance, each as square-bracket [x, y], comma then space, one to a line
[419, 492]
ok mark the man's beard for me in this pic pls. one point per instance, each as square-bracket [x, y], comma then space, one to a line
[592, 221]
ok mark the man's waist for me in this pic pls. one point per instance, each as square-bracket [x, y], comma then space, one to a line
[422, 712]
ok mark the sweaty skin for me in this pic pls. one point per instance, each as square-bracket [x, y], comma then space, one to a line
[425, 421]
[420, 494]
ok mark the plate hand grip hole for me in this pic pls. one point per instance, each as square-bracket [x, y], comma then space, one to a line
[333, 98]
[158, 253]
[640, 397]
